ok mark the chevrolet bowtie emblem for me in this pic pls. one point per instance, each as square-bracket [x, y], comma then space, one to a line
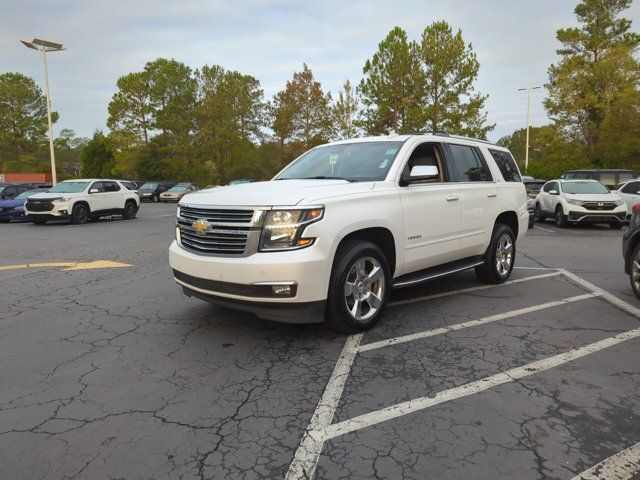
[201, 225]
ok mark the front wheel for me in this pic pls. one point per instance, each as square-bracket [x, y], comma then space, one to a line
[538, 216]
[80, 214]
[359, 287]
[500, 256]
[634, 271]
[560, 218]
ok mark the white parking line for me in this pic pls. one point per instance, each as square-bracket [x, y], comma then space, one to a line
[320, 428]
[415, 405]
[621, 466]
[471, 289]
[306, 458]
[545, 229]
[471, 323]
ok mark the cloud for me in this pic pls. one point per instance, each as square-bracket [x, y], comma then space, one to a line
[269, 39]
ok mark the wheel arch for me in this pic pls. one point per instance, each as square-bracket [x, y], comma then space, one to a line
[510, 219]
[380, 236]
[633, 243]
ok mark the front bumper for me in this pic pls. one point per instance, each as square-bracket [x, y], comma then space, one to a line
[244, 283]
[590, 216]
[60, 211]
[12, 215]
[172, 198]
[146, 197]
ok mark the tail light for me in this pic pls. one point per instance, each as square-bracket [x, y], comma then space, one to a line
[635, 208]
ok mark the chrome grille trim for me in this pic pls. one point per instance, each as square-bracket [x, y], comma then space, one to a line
[234, 231]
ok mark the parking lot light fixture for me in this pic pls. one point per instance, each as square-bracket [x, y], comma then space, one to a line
[526, 153]
[46, 46]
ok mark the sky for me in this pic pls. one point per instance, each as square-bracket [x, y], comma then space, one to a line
[270, 39]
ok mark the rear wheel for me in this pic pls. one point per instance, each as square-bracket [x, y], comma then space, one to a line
[560, 218]
[80, 214]
[500, 256]
[130, 210]
[359, 287]
[634, 271]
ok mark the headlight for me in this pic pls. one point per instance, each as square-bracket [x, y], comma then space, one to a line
[574, 202]
[283, 229]
[619, 203]
[61, 200]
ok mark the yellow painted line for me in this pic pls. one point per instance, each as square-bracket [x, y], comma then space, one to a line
[69, 265]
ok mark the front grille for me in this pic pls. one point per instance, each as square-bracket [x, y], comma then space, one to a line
[231, 232]
[599, 206]
[39, 206]
[217, 215]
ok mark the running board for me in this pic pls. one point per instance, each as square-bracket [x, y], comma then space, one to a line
[434, 272]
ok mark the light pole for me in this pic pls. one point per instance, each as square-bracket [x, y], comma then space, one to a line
[526, 153]
[45, 46]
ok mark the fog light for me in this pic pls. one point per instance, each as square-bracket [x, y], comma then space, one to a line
[63, 212]
[281, 289]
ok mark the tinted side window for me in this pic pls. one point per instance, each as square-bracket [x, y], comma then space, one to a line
[468, 165]
[98, 186]
[111, 186]
[507, 165]
[129, 185]
[548, 187]
[631, 187]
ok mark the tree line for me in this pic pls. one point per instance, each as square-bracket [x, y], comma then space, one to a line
[210, 124]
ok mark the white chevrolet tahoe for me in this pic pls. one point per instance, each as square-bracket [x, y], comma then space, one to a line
[83, 199]
[332, 233]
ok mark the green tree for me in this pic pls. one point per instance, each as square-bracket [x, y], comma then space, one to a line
[449, 71]
[345, 113]
[23, 117]
[131, 111]
[596, 70]
[230, 117]
[68, 148]
[97, 159]
[302, 111]
[390, 89]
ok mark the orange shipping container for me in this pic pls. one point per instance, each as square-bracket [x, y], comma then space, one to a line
[25, 177]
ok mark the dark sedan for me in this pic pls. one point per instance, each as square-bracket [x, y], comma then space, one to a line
[631, 250]
[13, 210]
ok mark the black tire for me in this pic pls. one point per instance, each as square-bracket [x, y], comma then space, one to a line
[155, 199]
[338, 315]
[538, 216]
[492, 271]
[38, 222]
[633, 272]
[616, 225]
[559, 218]
[80, 214]
[130, 210]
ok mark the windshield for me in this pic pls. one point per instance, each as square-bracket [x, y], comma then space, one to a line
[149, 186]
[28, 193]
[178, 189]
[69, 187]
[578, 188]
[355, 162]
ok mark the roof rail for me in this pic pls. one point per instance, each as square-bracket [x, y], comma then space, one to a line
[442, 133]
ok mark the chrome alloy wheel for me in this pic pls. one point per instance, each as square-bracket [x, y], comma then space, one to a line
[504, 255]
[364, 288]
[635, 271]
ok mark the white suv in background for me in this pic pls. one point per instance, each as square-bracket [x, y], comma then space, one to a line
[81, 200]
[630, 193]
[580, 201]
[333, 232]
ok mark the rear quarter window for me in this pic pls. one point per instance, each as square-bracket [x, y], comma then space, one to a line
[507, 165]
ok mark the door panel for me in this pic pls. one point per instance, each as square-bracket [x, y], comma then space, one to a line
[479, 204]
[432, 219]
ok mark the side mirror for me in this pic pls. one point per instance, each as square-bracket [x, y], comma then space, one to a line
[421, 173]
[553, 192]
[93, 190]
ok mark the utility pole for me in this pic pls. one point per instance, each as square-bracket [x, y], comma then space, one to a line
[45, 46]
[526, 153]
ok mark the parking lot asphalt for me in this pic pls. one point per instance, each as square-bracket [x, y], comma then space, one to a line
[109, 371]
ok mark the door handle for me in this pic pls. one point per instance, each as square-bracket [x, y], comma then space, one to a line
[492, 194]
[452, 198]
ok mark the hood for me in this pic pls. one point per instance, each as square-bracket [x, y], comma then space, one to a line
[52, 196]
[276, 192]
[593, 197]
[11, 203]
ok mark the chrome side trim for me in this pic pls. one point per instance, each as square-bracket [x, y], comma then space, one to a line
[431, 276]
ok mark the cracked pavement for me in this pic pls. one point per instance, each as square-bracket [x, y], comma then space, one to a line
[114, 373]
